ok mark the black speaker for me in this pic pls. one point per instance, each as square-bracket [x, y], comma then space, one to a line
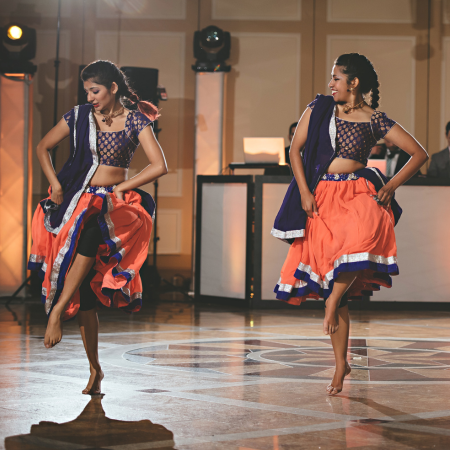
[142, 80]
[82, 96]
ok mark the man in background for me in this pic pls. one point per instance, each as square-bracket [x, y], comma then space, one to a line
[440, 162]
[396, 158]
[378, 151]
[291, 136]
[284, 170]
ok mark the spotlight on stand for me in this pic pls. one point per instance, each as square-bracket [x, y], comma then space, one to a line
[17, 47]
[211, 48]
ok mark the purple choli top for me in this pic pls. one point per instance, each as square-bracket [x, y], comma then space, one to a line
[116, 148]
[356, 139]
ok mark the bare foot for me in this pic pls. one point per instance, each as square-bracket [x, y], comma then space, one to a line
[331, 321]
[337, 382]
[53, 333]
[94, 384]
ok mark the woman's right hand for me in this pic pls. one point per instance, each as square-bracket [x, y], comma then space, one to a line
[309, 204]
[57, 194]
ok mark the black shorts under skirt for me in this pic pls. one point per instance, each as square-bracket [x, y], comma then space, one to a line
[88, 243]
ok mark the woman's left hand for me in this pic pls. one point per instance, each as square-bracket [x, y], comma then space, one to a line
[385, 195]
[119, 193]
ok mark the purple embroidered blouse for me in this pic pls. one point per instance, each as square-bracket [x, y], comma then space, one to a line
[356, 139]
[116, 148]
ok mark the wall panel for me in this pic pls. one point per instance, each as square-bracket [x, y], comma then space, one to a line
[256, 10]
[223, 240]
[158, 46]
[142, 9]
[169, 232]
[446, 11]
[380, 11]
[422, 234]
[263, 86]
[33, 8]
[445, 97]
[273, 251]
[163, 50]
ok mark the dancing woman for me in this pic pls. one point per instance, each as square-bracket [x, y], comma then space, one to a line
[338, 215]
[91, 236]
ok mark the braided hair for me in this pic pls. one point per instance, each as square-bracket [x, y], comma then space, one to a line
[358, 66]
[106, 73]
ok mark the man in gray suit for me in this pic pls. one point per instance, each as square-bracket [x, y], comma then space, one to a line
[440, 162]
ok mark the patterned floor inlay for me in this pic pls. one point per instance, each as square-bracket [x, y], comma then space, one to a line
[371, 359]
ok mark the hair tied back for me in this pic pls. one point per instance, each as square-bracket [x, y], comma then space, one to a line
[106, 73]
[355, 65]
[148, 109]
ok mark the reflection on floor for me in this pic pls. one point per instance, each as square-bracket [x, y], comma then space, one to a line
[91, 429]
[180, 376]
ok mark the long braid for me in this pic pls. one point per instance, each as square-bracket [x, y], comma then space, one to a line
[358, 66]
[375, 94]
[146, 108]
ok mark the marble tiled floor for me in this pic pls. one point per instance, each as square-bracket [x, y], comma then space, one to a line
[184, 377]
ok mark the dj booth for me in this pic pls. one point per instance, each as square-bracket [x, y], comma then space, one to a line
[236, 257]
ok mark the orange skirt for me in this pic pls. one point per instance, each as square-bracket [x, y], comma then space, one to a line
[352, 232]
[126, 226]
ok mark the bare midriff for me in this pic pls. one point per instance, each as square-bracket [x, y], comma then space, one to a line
[342, 165]
[108, 176]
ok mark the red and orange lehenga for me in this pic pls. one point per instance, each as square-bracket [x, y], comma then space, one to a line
[125, 225]
[352, 232]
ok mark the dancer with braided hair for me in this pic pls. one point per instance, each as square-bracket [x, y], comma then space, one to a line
[91, 235]
[338, 215]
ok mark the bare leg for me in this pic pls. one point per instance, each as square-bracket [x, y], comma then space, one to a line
[88, 322]
[341, 284]
[75, 277]
[339, 329]
[340, 347]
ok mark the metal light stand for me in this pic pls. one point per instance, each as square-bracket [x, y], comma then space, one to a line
[154, 275]
[57, 62]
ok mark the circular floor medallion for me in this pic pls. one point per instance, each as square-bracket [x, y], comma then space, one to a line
[372, 360]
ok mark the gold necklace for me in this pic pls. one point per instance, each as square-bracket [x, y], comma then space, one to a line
[348, 108]
[107, 118]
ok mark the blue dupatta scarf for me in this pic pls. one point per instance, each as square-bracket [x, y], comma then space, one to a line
[77, 171]
[319, 152]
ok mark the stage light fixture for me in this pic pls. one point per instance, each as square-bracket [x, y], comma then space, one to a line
[17, 47]
[211, 49]
[14, 32]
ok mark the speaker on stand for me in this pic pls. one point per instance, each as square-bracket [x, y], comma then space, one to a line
[82, 96]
